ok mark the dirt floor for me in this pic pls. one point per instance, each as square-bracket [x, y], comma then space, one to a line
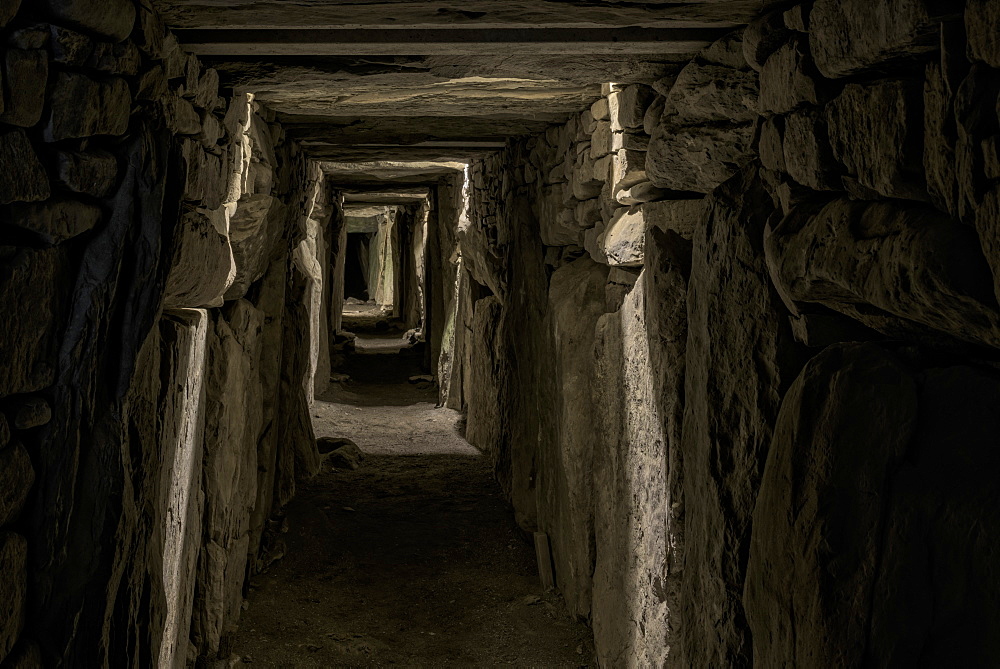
[411, 560]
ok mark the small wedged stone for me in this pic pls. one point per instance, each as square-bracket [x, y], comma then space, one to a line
[705, 93]
[628, 169]
[652, 117]
[875, 132]
[806, 152]
[682, 217]
[25, 76]
[726, 51]
[181, 116]
[982, 25]
[13, 589]
[16, 476]
[907, 261]
[848, 37]
[770, 146]
[92, 172]
[639, 193]
[697, 158]
[22, 176]
[625, 237]
[786, 82]
[55, 220]
[83, 107]
[31, 412]
[113, 19]
[601, 110]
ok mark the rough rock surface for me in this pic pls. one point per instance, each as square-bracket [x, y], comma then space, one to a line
[844, 426]
[851, 36]
[711, 93]
[16, 479]
[113, 20]
[697, 158]
[566, 477]
[56, 220]
[729, 411]
[254, 230]
[873, 130]
[905, 260]
[83, 107]
[13, 589]
[22, 177]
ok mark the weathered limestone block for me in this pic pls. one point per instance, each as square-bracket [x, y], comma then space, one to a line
[632, 141]
[207, 175]
[254, 230]
[982, 24]
[730, 407]
[762, 37]
[584, 185]
[232, 429]
[113, 19]
[601, 110]
[726, 51]
[653, 114]
[797, 18]
[628, 106]
[25, 75]
[70, 47]
[16, 479]
[203, 267]
[625, 237]
[851, 36]
[83, 107]
[92, 172]
[697, 158]
[806, 152]
[600, 140]
[565, 470]
[34, 283]
[786, 81]
[57, 220]
[31, 412]
[13, 589]
[681, 216]
[123, 58]
[770, 146]
[180, 115]
[711, 93]
[22, 176]
[630, 501]
[906, 260]
[872, 131]
[845, 425]
[628, 169]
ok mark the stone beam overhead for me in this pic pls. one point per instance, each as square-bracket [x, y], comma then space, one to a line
[446, 41]
[268, 14]
[393, 153]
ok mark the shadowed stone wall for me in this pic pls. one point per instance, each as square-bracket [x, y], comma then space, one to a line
[757, 281]
[159, 267]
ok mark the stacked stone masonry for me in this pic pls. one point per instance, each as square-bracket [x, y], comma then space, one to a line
[767, 290]
[157, 238]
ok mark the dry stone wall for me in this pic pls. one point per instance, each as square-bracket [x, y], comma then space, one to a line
[155, 239]
[768, 296]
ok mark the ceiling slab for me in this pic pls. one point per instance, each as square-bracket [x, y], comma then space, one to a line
[447, 41]
[312, 14]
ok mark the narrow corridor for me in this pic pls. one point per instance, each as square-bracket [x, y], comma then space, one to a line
[412, 559]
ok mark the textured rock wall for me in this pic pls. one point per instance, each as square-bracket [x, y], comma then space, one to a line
[148, 226]
[823, 177]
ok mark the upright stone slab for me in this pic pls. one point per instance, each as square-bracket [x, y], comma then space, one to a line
[565, 467]
[740, 357]
[630, 615]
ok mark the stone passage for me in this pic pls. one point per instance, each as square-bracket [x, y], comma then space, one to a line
[713, 287]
